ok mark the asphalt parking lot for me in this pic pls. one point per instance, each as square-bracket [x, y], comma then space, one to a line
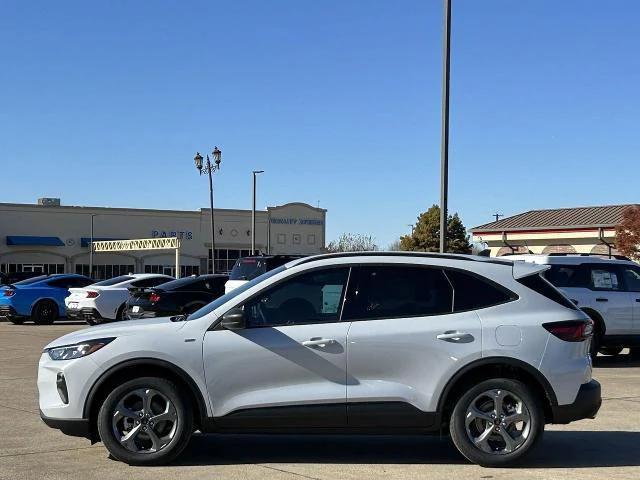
[608, 447]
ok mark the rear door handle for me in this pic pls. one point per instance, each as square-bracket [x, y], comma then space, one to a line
[456, 337]
[602, 299]
[318, 342]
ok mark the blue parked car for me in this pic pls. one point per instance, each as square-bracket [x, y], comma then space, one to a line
[40, 299]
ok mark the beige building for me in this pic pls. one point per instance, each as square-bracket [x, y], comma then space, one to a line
[559, 230]
[50, 238]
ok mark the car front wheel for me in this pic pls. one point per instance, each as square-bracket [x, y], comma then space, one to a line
[496, 422]
[145, 421]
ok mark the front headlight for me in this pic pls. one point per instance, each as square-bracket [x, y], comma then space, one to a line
[69, 352]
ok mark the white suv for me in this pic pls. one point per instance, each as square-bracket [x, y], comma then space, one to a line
[608, 290]
[368, 343]
[105, 301]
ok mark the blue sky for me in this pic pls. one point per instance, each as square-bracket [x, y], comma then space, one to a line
[105, 103]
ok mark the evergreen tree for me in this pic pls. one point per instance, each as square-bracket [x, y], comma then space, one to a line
[426, 234]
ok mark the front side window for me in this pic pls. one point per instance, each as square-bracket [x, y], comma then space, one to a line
[313, 297]
[632, 278]
[399, 291]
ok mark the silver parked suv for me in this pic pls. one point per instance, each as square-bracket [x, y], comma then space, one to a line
[606, 289]
[369, 343]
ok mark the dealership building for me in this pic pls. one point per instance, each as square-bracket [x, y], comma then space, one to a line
[51, 238]
[560, 230]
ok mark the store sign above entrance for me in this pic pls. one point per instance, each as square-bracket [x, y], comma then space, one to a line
[297, 221]
[140, 244]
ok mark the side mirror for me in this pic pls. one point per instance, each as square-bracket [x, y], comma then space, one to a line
[234, 319]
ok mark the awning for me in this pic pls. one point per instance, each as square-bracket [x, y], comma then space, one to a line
[84, 241]
[34, 241]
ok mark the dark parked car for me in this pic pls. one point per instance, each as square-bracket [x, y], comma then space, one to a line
[182, 296]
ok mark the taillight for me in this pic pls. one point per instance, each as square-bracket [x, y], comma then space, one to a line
[92, 294]
[154, 297]
[571, 330]
[9, 293]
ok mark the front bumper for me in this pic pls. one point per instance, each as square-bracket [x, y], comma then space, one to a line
[76, 427]
[586, 404]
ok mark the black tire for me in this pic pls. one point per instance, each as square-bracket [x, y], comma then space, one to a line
[168, 452]
[44, 312]
[611, 351]
[120, 313]
[189, 309]
[462, 440]
[90, 321]
[634, 352]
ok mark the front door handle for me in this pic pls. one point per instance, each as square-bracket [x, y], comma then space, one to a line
[456, 337]
[600, 299]
[318, 342]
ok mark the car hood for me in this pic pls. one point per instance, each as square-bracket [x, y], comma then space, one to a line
[118, 329]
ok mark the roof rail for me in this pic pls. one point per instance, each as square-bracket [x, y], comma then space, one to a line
[605, 255]
[447, 256]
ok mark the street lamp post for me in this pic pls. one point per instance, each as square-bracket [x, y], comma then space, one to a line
[444, 153]
[91, 248]
[253, 213]
[209, 169]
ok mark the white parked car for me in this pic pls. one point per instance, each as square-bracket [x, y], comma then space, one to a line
[608, 290]
[248, 268]
[105, 300]
[371, 343]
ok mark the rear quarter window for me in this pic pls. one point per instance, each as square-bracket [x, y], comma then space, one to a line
[471, 292]
[538, 284]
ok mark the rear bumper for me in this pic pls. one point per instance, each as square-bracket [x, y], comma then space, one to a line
[7, 312]
[586, 404]
[75, 427]
[86, 314]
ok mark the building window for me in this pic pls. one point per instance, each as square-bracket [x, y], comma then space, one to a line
[185, 270]
[44, 268]
[104, 272]
[282, 238]
[311, 239]
[226, 258]
[296, 239]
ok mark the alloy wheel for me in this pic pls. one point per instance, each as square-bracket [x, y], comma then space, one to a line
[498, 422]
[144, 421]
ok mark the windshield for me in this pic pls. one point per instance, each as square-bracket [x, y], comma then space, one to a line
[248, 268]
[233, 293]
[113, 281]
[32, 280]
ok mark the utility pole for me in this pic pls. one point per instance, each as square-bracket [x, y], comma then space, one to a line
[253, 213]
[444, 151]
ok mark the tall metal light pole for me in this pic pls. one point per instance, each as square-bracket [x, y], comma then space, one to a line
[253, 213]
[91, 248]
[209, 169]
[444, 151]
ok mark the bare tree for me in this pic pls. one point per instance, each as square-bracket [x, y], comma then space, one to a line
[349, 242]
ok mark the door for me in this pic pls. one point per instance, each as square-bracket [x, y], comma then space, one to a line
[403, 340]
[287, 368]
[610, 298]
[631, 275]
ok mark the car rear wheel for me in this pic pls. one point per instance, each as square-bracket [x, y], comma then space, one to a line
[611, 351]
[145, 421]
[497, 422]
[44, 313]
[120, 315]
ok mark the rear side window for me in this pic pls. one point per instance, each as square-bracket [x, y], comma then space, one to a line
[150, 282]
[538, 284]
[605, 277]
[575, 276]
[113, 281]
[472, 292]
[399, 291]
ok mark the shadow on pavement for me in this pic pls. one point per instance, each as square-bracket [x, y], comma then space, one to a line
[567, 449]
[617, 361]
